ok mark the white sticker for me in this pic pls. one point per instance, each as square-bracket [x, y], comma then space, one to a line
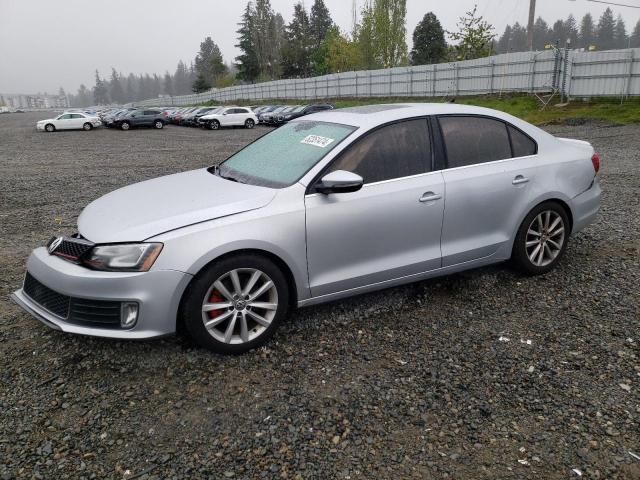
[316, 140]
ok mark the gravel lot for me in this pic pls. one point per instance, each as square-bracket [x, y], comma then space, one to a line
[411, 382]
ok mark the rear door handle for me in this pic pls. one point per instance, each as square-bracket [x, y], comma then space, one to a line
[429, 197]
[519, 180]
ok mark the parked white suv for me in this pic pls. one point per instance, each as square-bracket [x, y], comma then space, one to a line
[229, 117]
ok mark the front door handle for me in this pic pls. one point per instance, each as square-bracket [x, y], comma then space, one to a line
[519, 180]
[429, 197]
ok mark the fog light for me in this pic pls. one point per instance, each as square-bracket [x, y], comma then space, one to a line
[129, 315]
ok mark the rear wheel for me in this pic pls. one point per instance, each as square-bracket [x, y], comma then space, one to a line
[87, 126]
[236, 304]
[50, 128]
[125, 126]
[214, 125]
[158, 124]
[542, 239]
[249, 123]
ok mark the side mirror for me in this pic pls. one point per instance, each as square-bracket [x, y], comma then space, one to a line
[339, 181]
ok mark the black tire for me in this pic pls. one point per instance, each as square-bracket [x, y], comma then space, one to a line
[158, 125]
[87, 127]
[49, 127]
[214, 125]
[125, 126]
[519, 255]
[200, 288]
[249, 124]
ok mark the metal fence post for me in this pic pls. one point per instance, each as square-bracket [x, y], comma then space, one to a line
[533, 74]
[435, 78]
[410, 86]
[630, 73]
[564, 72]
[493, 67]
[390, 82]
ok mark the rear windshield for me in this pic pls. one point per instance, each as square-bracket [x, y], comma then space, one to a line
[283, 156]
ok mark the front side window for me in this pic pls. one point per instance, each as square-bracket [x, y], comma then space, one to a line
[282, 157]
[394, 151]
[66, 116]
[472, 140]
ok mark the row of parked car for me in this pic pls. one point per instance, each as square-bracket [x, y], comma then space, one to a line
[212, 117]
[215, 117]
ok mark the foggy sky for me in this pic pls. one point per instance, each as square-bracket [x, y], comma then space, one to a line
[47, 44]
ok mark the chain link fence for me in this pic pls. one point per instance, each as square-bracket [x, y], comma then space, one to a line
[566, 72]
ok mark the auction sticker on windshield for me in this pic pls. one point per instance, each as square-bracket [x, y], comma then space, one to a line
[316, 140]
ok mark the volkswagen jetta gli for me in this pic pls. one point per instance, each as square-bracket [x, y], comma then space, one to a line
[328, 206]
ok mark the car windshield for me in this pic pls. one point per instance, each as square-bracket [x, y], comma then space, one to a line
[298, 109]
[283, 156]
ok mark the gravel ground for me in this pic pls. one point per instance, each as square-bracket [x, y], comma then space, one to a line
[411, 382]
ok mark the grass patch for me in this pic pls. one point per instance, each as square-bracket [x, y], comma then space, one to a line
[526, 107]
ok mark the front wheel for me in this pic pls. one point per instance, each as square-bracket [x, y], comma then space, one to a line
[50, 128]
[158, 125]
[125, 126]
[214, 125]
[249, 123]
[542, 239]
[87, 126]
[236, 304]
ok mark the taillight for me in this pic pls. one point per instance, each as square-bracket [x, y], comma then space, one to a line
[595, 159]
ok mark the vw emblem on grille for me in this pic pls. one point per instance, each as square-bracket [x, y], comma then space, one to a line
[55, 244]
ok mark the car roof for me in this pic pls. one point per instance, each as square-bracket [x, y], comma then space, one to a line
[370, 116]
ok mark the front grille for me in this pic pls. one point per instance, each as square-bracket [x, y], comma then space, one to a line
[97, 312]
[90, 313]
[48, 299]
[71, 249]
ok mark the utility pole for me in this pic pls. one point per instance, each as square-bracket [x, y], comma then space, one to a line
[532, 14]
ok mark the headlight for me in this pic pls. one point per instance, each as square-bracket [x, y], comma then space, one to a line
[132, 257]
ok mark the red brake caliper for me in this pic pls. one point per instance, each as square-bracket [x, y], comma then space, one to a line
[215, 297]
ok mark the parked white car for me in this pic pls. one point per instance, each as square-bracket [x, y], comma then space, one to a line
[229, 117]
[69, 121]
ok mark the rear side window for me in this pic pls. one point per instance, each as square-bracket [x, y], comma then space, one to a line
[472, 140]
[521, 143]
[393, 151]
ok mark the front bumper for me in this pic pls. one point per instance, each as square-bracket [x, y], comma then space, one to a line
[157, 292]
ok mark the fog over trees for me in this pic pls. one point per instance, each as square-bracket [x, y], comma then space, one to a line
[312, 44]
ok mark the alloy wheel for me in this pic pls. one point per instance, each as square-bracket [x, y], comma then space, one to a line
[545, 238]
[239, 306]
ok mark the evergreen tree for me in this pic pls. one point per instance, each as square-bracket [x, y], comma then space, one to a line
[320, 22]
[296, 51]
[181, 82]
[100, 92]
[247, 61]
[429, 45]
[605, 33]
[571, 30]
[504, 42]
[201, 84]
[635, 36]
[620, 38]
[83, 98]
[558, 32]
[519, 42]
[115, 87]
[209, 62]
[474, 36]
[132, 88]
[541, 34]
[587, 34]
[167, 85]
[366, 39]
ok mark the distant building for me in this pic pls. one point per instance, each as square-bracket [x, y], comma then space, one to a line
[37, 101]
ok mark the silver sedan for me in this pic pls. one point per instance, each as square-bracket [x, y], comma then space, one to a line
[328, 206]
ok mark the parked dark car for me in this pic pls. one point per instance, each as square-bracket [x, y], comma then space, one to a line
[191, 120]
[264, 116]
[300, 111]
[141, 118]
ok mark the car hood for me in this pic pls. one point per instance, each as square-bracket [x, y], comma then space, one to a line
[149, 208]
[46, 120]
